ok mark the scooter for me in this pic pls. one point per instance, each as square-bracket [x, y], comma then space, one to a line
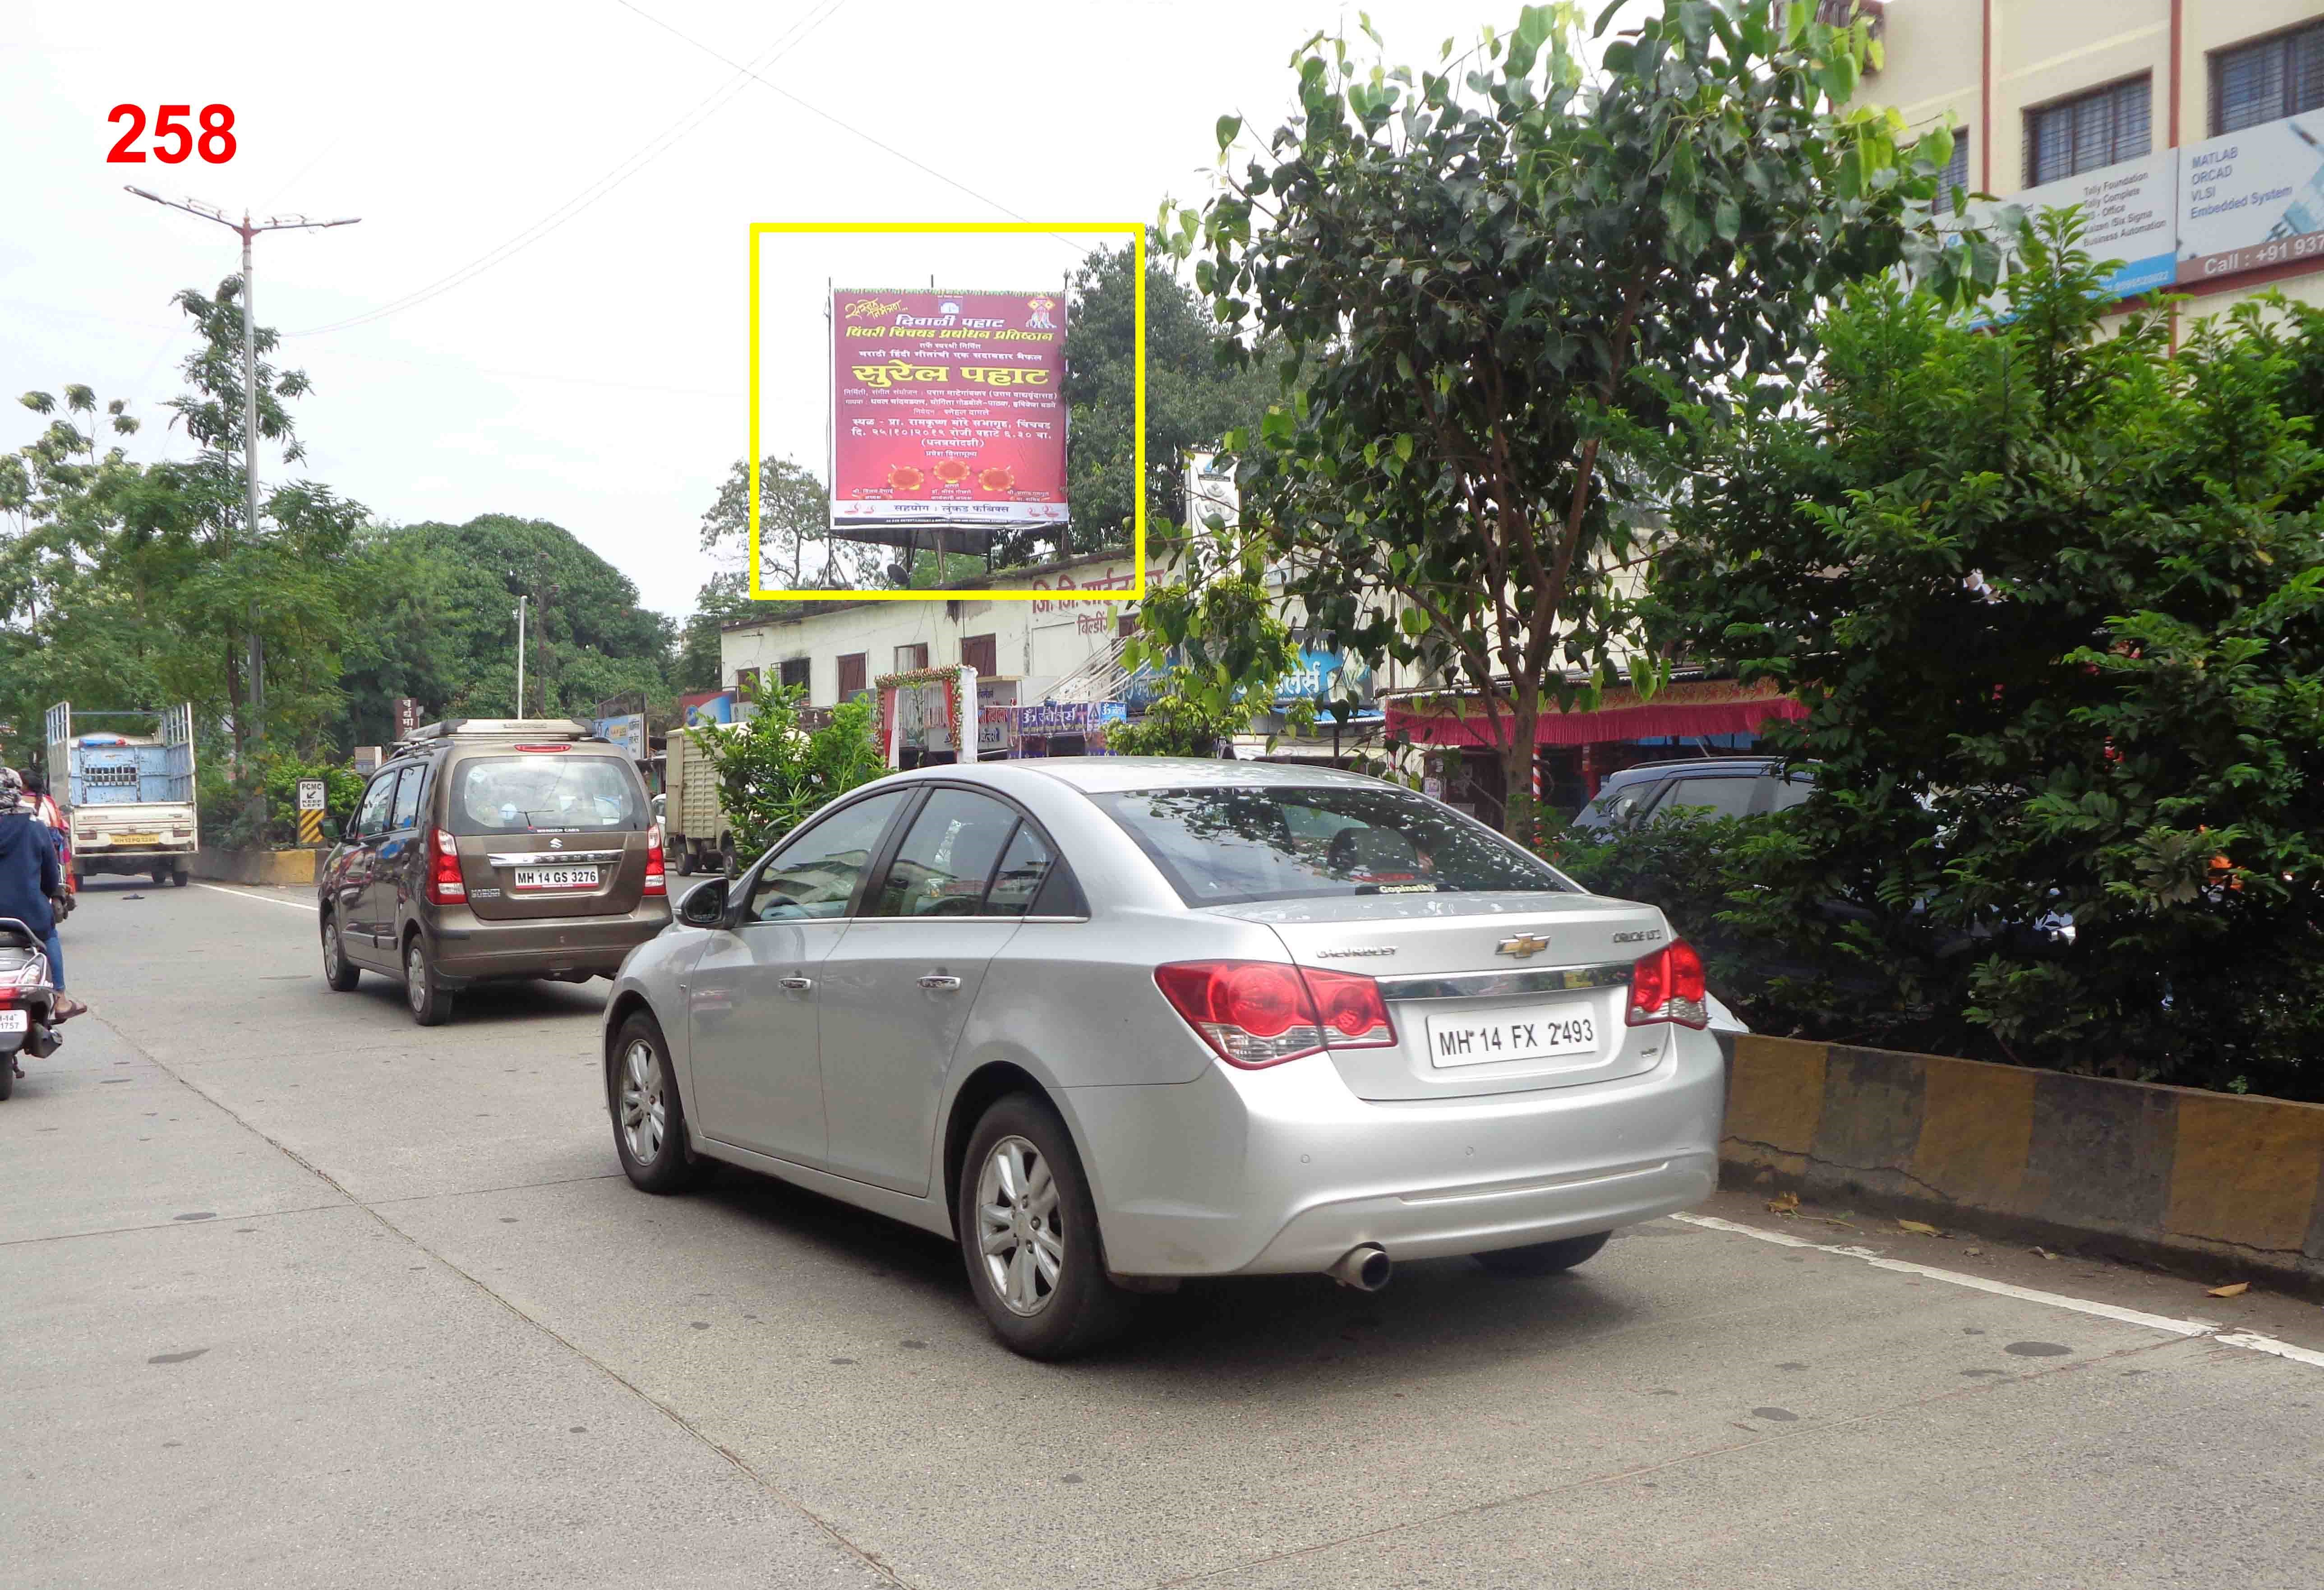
[28, 1002]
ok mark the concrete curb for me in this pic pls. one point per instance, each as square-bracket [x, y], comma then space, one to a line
[279, 868]
[2132, 1168]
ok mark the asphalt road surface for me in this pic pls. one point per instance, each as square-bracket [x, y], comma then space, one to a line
[295, 1293]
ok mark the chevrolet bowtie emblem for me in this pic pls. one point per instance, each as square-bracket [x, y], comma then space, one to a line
[1522, 945]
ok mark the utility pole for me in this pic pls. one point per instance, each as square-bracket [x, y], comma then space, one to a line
[520, 656]
[246, 230]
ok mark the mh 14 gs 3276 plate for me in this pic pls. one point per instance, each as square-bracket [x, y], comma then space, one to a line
[556, 878]
[1533, 1033]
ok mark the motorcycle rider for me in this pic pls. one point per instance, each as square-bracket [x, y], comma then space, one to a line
[30, 879]
[44, 807]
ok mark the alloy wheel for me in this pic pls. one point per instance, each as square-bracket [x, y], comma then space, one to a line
[415, 973]
[331, 952]
[645, 1111]
[1021, 1237]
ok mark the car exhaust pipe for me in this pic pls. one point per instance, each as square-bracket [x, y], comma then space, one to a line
[1364, 1267]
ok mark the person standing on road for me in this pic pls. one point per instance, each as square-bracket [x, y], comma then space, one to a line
[30, 879]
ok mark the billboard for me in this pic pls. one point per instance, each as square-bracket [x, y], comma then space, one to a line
[628, 731]
[2252, 199]
[947, 409]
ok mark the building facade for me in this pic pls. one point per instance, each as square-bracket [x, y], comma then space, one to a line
[2189, 132]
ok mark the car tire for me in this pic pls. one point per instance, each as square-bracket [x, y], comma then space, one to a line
[684, 859]
[1070, 1306]
[424, 994]
[178, 877]
[339, 974]
[649, 1117]
[160, 877]
[1544, 1258]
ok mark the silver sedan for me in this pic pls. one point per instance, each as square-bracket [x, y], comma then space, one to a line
[1108, 1023]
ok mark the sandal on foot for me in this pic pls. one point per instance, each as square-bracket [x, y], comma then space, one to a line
[66, 1008]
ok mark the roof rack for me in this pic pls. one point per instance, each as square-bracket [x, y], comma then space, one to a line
[570, 728]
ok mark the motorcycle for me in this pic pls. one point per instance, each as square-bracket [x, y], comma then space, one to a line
[28, 1002]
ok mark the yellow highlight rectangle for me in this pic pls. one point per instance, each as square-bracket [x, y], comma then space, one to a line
[1137, 233]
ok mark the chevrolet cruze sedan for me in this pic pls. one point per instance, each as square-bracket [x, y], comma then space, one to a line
[1108, 1022]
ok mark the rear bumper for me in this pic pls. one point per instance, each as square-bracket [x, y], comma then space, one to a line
[468, 950]
[1284, 1169]
[110, 858]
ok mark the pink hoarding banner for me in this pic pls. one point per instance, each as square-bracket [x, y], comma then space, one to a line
[948, 407]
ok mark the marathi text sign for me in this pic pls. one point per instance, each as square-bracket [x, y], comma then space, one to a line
[2252, 199]
[948, 407]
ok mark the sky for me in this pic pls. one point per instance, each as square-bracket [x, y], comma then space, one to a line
[542, 312]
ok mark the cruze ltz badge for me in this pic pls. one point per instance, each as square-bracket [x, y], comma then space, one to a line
[1354, 950]
[1640, 937]
[1522, 945]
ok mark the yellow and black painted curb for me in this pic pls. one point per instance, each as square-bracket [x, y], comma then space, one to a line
[2137, 1166]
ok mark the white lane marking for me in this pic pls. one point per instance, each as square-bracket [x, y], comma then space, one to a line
[2161, 1322]
[262, 899]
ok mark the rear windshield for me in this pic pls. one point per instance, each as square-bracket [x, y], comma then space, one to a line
[545, 792]
[1232, 847]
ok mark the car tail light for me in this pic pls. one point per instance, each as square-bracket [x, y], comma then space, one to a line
[1255, 1013]
[445, 885]
[1667, 986]
[657, 881]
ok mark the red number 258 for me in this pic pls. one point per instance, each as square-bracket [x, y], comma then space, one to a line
[173, 140]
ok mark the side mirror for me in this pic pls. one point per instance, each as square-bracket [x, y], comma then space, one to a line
[704, 905]
[348, 833]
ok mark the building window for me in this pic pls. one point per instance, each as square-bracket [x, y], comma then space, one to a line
[1954, 176]
[795, 672]
[983, 653]
[2267, 79]
[853, 668]
[2090, 131]
[911, 659]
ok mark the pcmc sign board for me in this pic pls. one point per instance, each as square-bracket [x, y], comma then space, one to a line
[948, 409]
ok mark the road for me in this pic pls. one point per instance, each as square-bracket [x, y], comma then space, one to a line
[294, 1293]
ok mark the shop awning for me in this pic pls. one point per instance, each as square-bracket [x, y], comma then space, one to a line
[1689, 707]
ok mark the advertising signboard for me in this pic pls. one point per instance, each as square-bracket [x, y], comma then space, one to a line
[407, 717]
[2252, 199]
[628, 731]
[702, 707]
[947, 409]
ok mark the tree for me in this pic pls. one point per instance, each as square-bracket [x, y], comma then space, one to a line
[1494, 279]
[721, 600]
[1192, 399]
[774, 774]
[794, 513]
[1220, 651]
[2054, 599]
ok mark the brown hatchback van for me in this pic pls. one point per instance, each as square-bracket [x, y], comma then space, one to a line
[491, 848]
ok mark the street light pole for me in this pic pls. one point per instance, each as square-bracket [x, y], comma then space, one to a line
[256, 665]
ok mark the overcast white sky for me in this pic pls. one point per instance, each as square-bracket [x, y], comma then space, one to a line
[596, 377]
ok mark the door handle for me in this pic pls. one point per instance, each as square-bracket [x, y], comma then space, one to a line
[796, 983]
[939, 983]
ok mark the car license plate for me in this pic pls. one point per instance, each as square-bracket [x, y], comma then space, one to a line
[555, 877]
[15, 1022]
[136, 838]
[1530, 1034]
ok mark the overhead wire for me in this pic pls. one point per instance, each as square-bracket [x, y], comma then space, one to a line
[1079, 248]
[621, 173]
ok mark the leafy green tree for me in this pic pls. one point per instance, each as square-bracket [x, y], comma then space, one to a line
[1220, 651]
[1497, 279]
[2054, 599]
[1191, 400]
[794, 514]
[773, 773]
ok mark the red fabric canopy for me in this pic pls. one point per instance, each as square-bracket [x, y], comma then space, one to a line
[1698, 706]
